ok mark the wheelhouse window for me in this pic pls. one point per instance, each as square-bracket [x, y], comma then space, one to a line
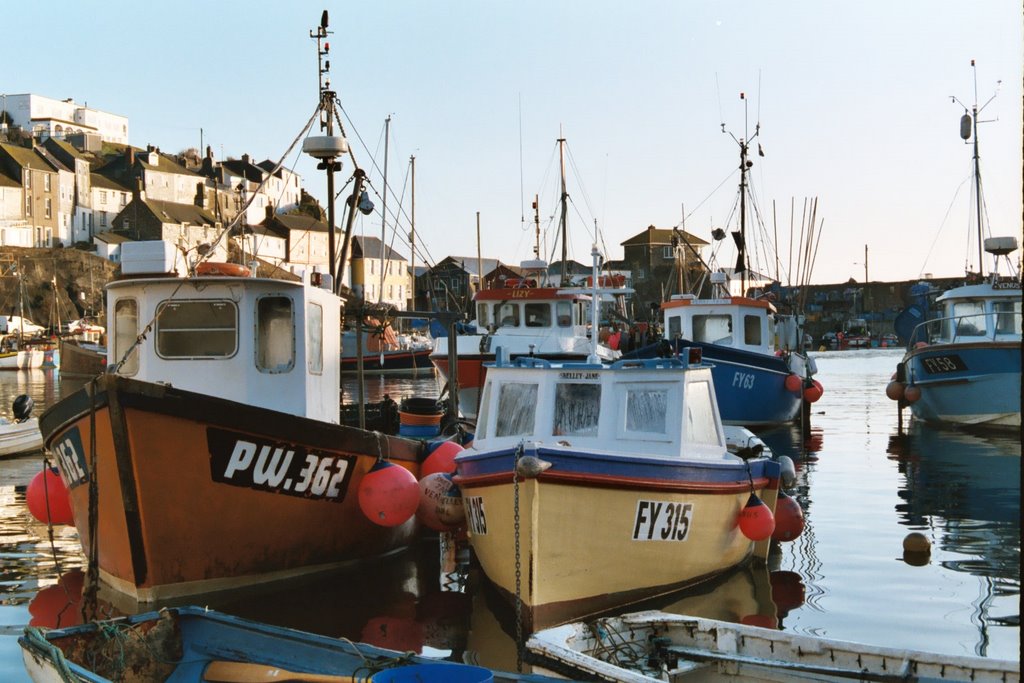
[714, 329]
[508, 315]
[1008, 315]
[675, 327]
[483, 314]
[752, 330]
[577, 409]
[126, 330]
[538, 315]
[197, 329]
[646, 412]
[700, 415]
[315, 338]
[563, 311]
[969, 319]
[275, 334]
[517, 407]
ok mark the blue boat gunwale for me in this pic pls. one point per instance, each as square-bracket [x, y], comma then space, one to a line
[193, 625]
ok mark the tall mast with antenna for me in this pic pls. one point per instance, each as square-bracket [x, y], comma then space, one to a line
[412, 228]
[384, 208]
[328, 163]
[968, 126]
[562, 222]
[745, 164]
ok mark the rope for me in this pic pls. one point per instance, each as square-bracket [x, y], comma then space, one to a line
[49, 516]
[53, 653]
[520, 645]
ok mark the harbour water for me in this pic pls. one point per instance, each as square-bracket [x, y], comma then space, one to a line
[862, 485]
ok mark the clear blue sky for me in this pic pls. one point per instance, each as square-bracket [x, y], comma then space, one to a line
[853, 100]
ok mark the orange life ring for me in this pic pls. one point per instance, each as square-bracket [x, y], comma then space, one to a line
[221, 268]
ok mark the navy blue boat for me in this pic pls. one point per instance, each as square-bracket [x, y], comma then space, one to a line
[758, 382]
[195, 644]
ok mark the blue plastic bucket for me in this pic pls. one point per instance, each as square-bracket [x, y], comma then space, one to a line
[434, 673]
[419, 432]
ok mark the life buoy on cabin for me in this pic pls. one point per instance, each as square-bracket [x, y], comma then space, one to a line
[222, 268]
[617, 280]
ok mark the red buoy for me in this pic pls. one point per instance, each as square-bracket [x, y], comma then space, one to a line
[59, 605]
[441, 458]
[813, 392]
[440, 506]
[48, 499]
[787, 591]
[756, 520]
[789, 518]
[912, 393]
[793, 383]
[388, 494]
[894, 390]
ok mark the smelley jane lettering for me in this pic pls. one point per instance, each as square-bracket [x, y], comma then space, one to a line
[243, 460]
[577, 375]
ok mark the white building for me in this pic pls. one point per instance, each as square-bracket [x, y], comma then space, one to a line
[45, 117]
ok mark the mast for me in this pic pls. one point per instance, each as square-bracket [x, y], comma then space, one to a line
[536, 226]
[412, 229]
[741, 237]
[968, 126]
[384, 208]
[565, 195]
[328, 163]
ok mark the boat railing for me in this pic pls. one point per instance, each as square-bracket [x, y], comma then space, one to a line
[962, 329]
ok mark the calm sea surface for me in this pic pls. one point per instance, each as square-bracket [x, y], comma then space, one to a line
[863, 488]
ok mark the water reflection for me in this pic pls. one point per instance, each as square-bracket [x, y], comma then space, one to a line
[958, 486]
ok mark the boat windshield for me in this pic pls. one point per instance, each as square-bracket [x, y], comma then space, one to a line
[538, 315]
[577, 409]
[646, 411]
[713, 329]
[700, 414]
[752, 330]
[969, 319]
[1008, 317]
[517, 406]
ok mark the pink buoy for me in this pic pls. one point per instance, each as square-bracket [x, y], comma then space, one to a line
[440, 506]
[756, 520]
[388, 494]
[912, 393]
[441, 458]
[894, 390]
[793, 383]
[48, 498]
[789, 518]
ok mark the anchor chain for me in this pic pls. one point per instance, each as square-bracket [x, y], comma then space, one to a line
[519, 573]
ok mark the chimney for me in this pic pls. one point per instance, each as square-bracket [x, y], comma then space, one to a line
[129, 155]
[270, 213]
[200, 198]
[245, 159]
[138, 192]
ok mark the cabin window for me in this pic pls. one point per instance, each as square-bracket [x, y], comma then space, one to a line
[126, 330]
[713, 329]
[315, 338]
[577, 408]
[517, 405]
[675, 327]
[538, 315]
[700, 414]
[646, 411]
[969, 318]
[508, 315]
[483, 315]
[196, 329]
[1007, 317]
[752, 330]
[275, 334]
[563, 311]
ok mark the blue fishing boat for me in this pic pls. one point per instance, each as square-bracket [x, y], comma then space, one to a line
[963, 367]
[196, 644]
[762, 374]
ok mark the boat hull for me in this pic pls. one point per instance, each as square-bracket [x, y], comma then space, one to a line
[180, 644]
[29, 358]
[77, 360]
[666, 524]
[393, 361]
[974, 384]
[198, 494]
[20, 437]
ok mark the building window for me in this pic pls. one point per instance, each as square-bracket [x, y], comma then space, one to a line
[103, 197]
[46, 182]
[667, 253]
[28, 179]
[48, 206]
[28, 205]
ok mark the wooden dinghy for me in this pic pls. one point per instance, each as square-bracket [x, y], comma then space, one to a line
[656, 646]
